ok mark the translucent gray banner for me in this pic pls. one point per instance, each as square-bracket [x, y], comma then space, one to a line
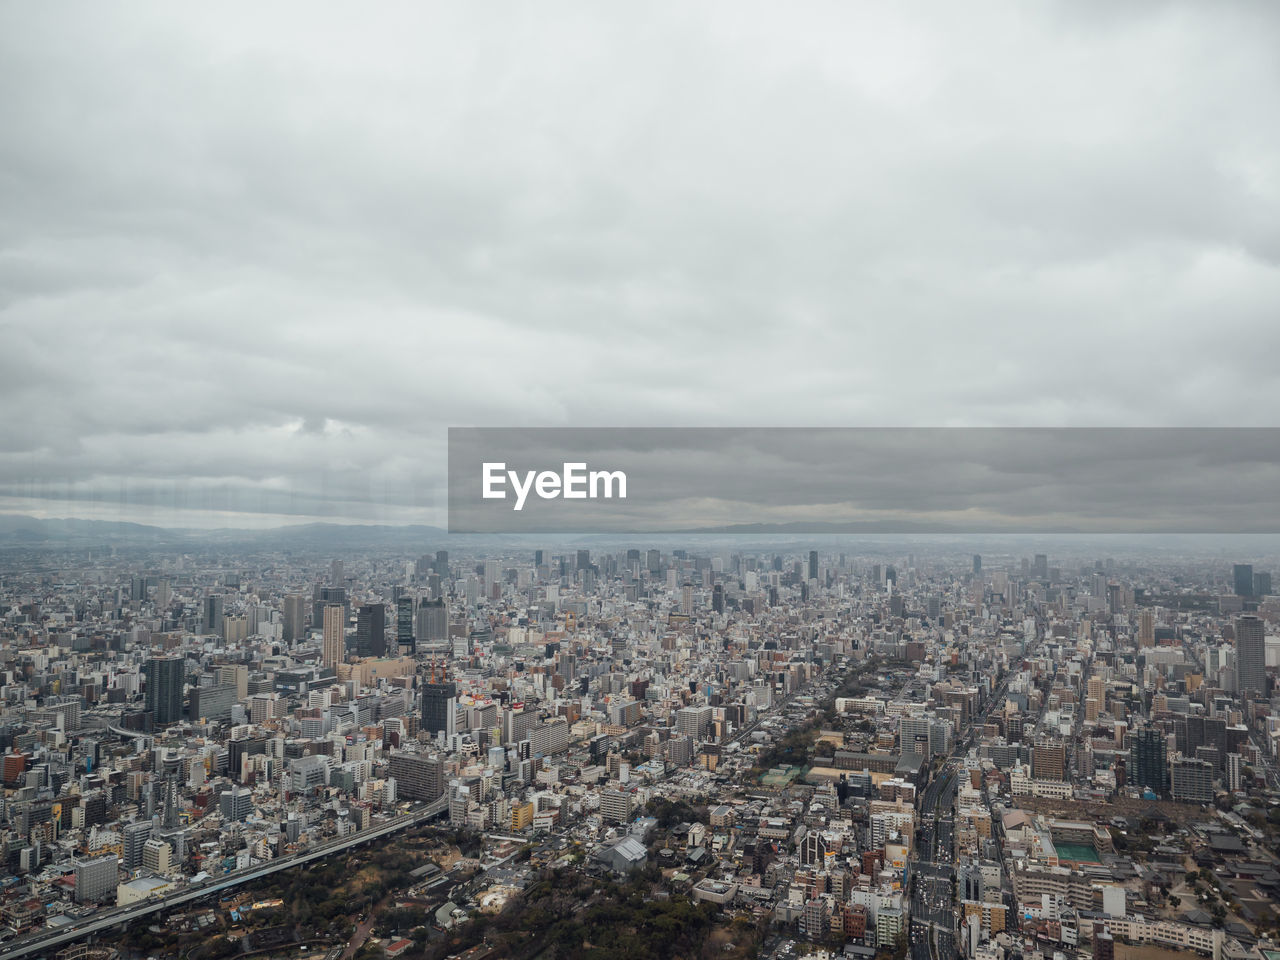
[864, 480]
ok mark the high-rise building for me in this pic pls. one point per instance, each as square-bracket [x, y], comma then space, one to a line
[295, 606]
[1262, 584]
[166, 677]
[417, 775]
[236, 804]
[1251, 663]
[1147, 629]
[977, 563]
[96, 879]
[438, 704]
[1040, 569]
[1049, 760]
[135, 835]
[432, 624]
[371, 630]
[335, 635]
[1150, 766]
[157, 856]
[1191, 781]
[1235, 772]
[1242, 574]
[404, 623]
[615, 806]
[213, 615]
[813, 564]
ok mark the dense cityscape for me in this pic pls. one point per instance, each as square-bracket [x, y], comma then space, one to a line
[638, 752]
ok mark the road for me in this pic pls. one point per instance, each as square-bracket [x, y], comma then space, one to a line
[932, 928]
[49, 940]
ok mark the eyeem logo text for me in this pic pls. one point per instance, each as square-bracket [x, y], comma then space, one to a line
[574, 482]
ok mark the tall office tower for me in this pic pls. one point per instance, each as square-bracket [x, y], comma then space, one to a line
[1040, 569]
[335, 635]
[1251, 664]
[813, 564]
[584, 559]
[164, 592]
[653, 560]
[491, 575]
[1242, 574]
[717, 598]
[165, 679]
[432, 621]
[438, 705]
[1261, 585]
[404, 624]
[1150, 766]
[977, 563]
[537, 558]
[324, 595]
[138, 588]
[337, 575]
[295, 615]
[371, 630]
[442, 562]
[1147, 629]
[213, 615]
[686, 599]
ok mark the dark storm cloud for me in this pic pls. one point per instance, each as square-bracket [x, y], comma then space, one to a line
[254, 260]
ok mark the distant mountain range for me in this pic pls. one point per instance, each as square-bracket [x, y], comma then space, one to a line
[18, 531]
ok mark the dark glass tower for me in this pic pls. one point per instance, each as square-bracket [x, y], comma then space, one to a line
[371, 630]
[165, 680]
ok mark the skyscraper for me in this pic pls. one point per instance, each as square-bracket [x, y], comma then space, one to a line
[335, 638]
[371, 630]
[1242, 574]
[404, 623]
[813, 564]
[1150, 767]
[432, 621]
[165, 679]
[1251, 664]
[294, 617]
[438, 700]
[977, 563]
[213, 615]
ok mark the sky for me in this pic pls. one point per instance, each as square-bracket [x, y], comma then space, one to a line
[255, 260]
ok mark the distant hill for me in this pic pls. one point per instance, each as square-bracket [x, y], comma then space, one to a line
[18, 531]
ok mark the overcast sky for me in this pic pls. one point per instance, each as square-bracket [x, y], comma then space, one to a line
[255, 258]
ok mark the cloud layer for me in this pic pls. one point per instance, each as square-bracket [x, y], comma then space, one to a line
[253, 261]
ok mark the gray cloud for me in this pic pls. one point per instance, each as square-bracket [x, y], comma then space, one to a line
[254, 261]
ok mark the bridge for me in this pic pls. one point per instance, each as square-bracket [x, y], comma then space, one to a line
[46, 941]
